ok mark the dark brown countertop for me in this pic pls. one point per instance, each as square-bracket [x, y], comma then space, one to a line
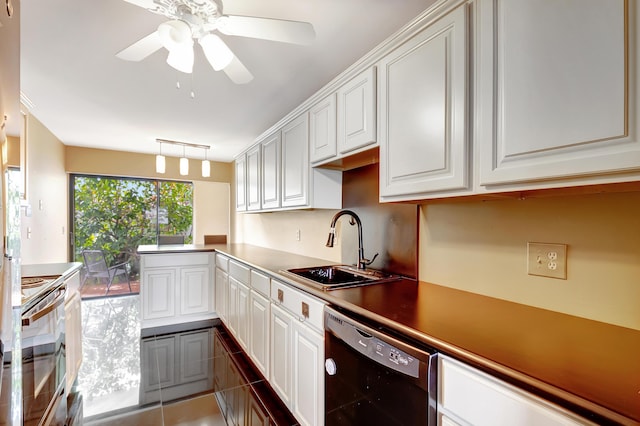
[588, 366]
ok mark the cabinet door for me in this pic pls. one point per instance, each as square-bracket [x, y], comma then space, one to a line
[295, 162]
[158, 293]
[308, 375]
[195, 291]
[232, 305]
[222, 284]
[195, 357]
[322, 129]
[243, 316]
[241, 183]
[253, 179]
[280, 365]
[423, 111]
[556, 103]
[259, 308]
[73, 337]
[271, 172]
[357, 112]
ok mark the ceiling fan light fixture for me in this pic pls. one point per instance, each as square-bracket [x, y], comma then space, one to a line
[181, 59]
[216, 51]
[175, 34]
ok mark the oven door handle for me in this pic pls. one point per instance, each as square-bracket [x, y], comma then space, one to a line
[55, 303]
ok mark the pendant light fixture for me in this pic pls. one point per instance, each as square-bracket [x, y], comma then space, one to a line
[160, 161]
[184, 161]
[206, 165]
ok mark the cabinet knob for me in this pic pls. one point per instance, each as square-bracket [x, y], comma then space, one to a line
[330, 366]
[305, 310]
[280, 296]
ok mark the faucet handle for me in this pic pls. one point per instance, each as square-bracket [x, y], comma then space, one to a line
[366, 262]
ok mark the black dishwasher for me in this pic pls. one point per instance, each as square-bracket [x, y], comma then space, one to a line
[373, 378]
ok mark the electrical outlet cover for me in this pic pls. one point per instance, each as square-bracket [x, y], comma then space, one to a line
[547, 260]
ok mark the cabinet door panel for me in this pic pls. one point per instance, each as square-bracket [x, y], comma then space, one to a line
[271, 172]
[423, 102]
[253, 179]
[221, 293]
[159, 298]
[194, 356]
[555, 103]
[280, 366]
[308, 376]
[243, 316]
[194, 291]
[232, 305]
[259, 332]
[241, 182]
[295, 162]
[322, 129]
[357, 112]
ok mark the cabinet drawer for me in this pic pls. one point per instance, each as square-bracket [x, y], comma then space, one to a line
[303, 306]
[479, 398]
[175, 259]
[222, 262]
[239, 271]
[261, 283]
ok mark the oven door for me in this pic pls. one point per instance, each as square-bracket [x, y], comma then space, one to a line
[44, 361]
[374, 378]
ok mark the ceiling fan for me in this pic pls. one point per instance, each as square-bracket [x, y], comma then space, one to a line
[198, 20]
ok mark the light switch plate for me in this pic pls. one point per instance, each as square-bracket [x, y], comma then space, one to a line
[547, 260]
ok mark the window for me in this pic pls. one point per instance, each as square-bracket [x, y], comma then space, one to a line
[117, 215]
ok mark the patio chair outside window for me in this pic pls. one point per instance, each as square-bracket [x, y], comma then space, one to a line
[97, 268]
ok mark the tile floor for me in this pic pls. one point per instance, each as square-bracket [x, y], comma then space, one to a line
[165, 379]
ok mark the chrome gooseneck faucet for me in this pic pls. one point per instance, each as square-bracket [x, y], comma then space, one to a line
[355, 220]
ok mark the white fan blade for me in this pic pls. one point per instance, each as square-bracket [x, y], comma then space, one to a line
[268, 29]
[237, 72]
[141, 48]
[216, 51]
[147, 4]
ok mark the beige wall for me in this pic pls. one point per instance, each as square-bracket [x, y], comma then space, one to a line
[13, 151]
[211, 209]
[118, 163]
[44, 231]
[278, 231]
[481, 247]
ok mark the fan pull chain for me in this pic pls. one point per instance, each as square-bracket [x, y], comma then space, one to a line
[193, 93]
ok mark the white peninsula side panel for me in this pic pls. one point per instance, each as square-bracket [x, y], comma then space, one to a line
[176, 288]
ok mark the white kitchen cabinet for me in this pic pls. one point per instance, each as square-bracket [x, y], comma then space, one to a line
[423, 102]
[356, 112]
[241, 182]
[281, 364]
[469, 396]
[221, 285]
[254, 189]
[322, 129]
[232, 306]
[259, 317]
[297, 357]
[176, 288]
[308, 375]
[295, 162]
[243, 316]
[73, 337]
[556, 106]
[271, 171]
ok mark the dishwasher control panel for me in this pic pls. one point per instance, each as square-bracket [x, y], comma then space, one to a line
[374, 348]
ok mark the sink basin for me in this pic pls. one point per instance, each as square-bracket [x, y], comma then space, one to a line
[338, 276]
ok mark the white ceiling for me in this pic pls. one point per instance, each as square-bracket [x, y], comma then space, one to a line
[87, 97]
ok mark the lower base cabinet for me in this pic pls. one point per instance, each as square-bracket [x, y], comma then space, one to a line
[467, 396]
[73, 337]
[176, 288]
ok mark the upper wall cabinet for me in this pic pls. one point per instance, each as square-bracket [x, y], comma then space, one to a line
[253, 178]
[556, 91]
[322, 129]
[241, 183]
[357, 112]
[271, 163]
[279, 167]
[422, 111]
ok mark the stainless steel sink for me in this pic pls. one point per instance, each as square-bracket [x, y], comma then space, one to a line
[338, 276]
